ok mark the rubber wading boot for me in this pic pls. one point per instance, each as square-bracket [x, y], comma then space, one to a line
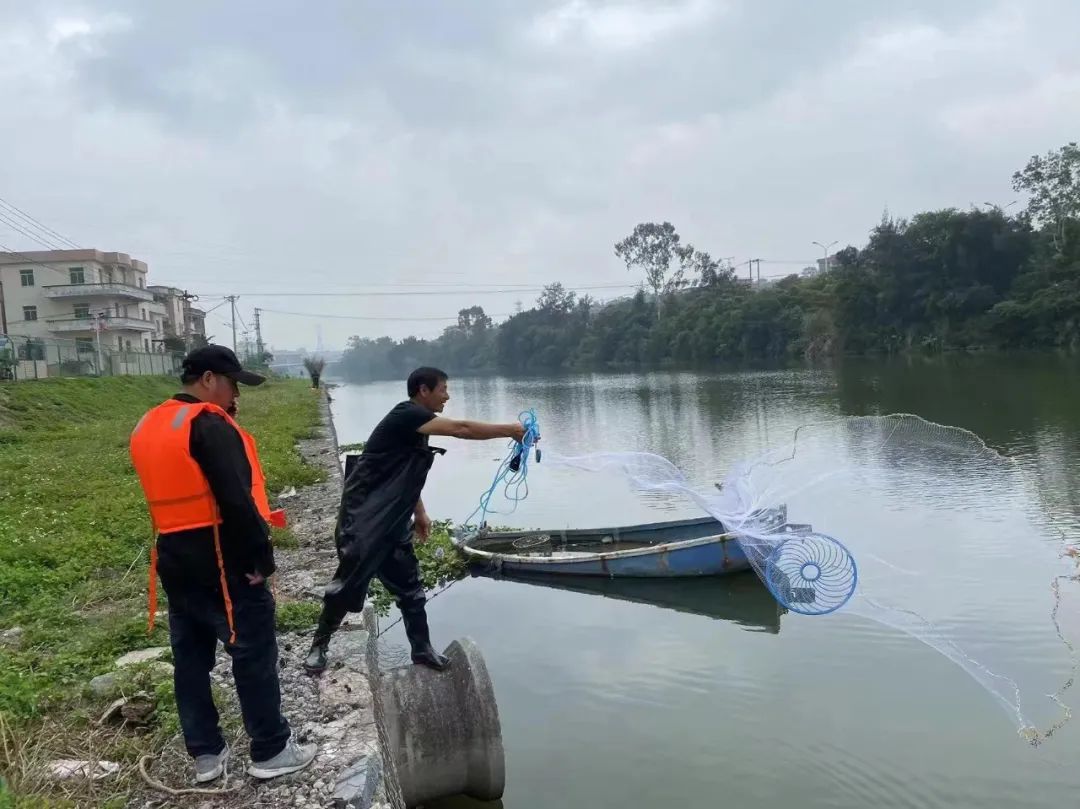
[423, 653]
[315, 662]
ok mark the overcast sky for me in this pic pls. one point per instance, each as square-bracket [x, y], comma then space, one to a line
[257, 146]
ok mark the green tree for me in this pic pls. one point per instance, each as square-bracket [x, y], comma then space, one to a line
[652, 248]
[1053, 182]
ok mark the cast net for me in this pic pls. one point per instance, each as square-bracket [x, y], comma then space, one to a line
[950, 542]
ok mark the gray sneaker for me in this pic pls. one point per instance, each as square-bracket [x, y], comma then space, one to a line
[207, 768]
[293, 758]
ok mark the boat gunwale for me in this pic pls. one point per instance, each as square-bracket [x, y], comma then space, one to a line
[652, 550]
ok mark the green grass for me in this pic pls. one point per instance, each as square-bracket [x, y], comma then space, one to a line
[293, 616]
[439, 563]
[74, 530]
[74, 550]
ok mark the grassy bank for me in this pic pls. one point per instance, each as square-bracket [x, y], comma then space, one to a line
[74, 537]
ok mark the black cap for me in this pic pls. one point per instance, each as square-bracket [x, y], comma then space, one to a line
[219, 360]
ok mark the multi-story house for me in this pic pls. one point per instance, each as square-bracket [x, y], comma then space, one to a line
[180, 318]
[68, 296]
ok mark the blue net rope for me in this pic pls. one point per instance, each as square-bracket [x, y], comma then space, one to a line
[512, 476]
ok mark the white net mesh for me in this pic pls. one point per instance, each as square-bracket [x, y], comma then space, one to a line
[951, 542]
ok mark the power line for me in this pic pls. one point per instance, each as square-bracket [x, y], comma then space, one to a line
[14, 225]
[13, 252]
[363, 317]
[398, 294]
[38, 224]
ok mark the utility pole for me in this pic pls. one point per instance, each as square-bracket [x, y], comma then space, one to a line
[232, 302]
[258, 336]
[182, 327]
[99, 324]
[826, 249]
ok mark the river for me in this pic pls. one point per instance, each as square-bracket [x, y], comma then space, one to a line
[706, 693]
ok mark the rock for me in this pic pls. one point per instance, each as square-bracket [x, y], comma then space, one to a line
[135, 710]
[356, 785]
[11, 637]
[103, 685]
[112, 712]
[160, 670]
[289, 492]
[142, 656]
[64, 768]
[138, 709]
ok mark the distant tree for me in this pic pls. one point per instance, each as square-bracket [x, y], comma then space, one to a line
[697, 263]
[652, 248]
[174, 343]
[1053, 182]
[473, 320]
[314, 366]
[555, 298]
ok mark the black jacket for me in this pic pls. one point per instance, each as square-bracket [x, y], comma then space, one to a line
[186, 559]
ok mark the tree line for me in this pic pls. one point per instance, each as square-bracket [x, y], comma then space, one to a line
[941, 280]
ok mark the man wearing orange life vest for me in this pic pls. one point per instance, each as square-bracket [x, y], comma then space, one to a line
[207, 496]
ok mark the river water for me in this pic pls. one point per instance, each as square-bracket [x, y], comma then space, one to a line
[706, 693]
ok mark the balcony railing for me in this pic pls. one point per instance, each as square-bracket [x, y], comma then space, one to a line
[86, 324]
[106, 290]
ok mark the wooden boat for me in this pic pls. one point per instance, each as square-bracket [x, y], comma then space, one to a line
[678, 548]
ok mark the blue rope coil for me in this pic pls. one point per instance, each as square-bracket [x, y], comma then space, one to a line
[513, 472]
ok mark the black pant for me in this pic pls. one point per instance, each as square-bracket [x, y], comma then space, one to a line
[197, 622]
[396, 565]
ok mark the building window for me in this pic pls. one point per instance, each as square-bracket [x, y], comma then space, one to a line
[29, 313]
[82, 311]
[143, 311]
[140, 282]
[26, 277]
[120, 342]
[128, 346]
[146, 343]
[77, 275]
[84, 345]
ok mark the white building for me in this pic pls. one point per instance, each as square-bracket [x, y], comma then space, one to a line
[60, 296]
[180, 318]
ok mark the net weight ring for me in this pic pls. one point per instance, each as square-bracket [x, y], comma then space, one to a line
[812, 574]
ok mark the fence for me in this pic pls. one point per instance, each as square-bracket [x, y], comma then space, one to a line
[23, 358]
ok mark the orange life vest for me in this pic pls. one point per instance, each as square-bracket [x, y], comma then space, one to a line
[176, 489]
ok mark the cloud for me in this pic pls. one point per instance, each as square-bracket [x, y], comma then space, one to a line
[259, 147]
[619, 26]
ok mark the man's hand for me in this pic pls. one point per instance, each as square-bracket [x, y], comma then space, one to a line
[519, 432]
[422, 526]
[255, 579]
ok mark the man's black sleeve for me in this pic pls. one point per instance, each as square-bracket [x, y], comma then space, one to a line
[218, 449]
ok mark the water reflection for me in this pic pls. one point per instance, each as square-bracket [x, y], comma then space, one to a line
[740, 598]
[625, 693]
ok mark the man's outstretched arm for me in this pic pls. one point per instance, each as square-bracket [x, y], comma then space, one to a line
[472, 430]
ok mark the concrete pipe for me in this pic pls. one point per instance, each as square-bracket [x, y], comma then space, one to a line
[443, 728]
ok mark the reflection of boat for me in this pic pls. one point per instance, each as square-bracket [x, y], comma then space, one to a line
[678, 548]
[742, 599]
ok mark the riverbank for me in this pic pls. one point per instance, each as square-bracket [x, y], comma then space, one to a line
[81, 681]
[74, 540]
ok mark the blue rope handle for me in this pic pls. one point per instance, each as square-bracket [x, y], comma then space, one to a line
[513, 472]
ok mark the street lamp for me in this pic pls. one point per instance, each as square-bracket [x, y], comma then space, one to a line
[826, 249]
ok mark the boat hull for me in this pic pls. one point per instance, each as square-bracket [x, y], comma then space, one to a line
[705, 551]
